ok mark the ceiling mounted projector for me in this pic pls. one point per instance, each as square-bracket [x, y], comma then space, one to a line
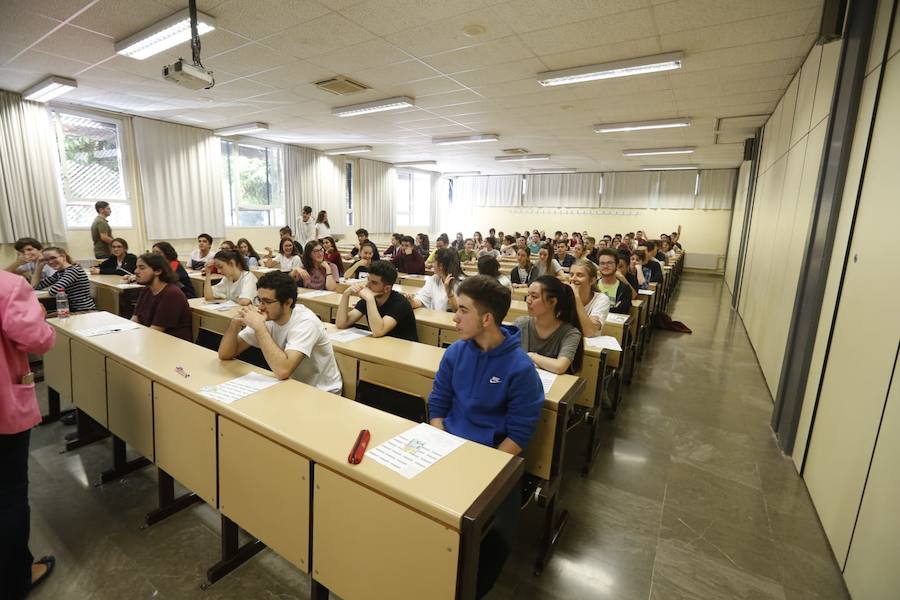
[190, 76]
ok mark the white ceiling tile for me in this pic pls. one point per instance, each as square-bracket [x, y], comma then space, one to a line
[505, 50]
[695, 14]
[601, 54]
[751, 31]
[636, 24]
[447, 34]
[259, 19]
[406, 71]
[17, 81]
[202, 5]
[752, 53]
[122, 18]
[71, 41]
[384, 17]
[450, 99]
[55, 9]
[370, 54]
[496, 74]
[787, 66]
[7, 51]
[39, 63]
[293, 74]
[747, 86]
[319, 36]
[212, 43]
[21, 29]
[531, 15]
[422, 87]
[248, 60]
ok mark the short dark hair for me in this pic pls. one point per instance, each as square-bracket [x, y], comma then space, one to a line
[650, 245]
[100, 205]
[206, 237]
[307, 210]
[286, 229]
[488, 265]
[167, 250]
[161, 264]
[492, 241]
[119, 241]
[231, 256]
[293, 245]
[444, 238]
[488, 295]
[362, 231]
[526, 249]
[608, 252]
[397, 236]
[385, 270]
[27, 241]
[407, 239]
[284, 285]
[368, 244]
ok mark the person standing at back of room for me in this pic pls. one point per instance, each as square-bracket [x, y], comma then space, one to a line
[323, 228]
[23, 330]
[307, 230]
[101, 232]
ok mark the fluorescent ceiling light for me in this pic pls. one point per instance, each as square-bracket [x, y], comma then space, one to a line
[669, 167]
[239, 129]
[349, 150]
[373, 107]
[462, 174]
[49, 89]
[619, 68]
[417, 163]
[165, 34]
[639, 125]
[566, 170]
[466, 139]
[656, 151]
[522, 157]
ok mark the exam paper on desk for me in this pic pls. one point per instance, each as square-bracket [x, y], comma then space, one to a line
[414, 450]
[240, 387]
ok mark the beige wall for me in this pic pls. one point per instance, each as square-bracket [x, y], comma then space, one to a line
[737, 224]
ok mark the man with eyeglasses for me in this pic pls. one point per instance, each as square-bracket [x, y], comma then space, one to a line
[291, 337]
[612, 283]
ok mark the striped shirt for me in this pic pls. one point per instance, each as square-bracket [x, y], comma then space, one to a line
[72, 280]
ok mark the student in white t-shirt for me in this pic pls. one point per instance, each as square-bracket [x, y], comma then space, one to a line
[292, 339]
[439, 291]
[323, 229]
[202, 254]
[593, 305]
[306, 232]
[286, 259]
[237, 283]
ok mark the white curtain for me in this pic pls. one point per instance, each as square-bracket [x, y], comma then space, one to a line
[568, 190]
[440, 203]
[375, 205]
[315, 180]
[628, 189]
[489, 190]
[717, 188]
[181, 180]
[675, 189]
[30, 197]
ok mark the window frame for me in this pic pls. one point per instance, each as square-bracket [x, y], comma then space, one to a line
[124, 169]
[411, 174]
[349, 197]
[233, 206]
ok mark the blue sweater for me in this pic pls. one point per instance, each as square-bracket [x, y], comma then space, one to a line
[488, 396]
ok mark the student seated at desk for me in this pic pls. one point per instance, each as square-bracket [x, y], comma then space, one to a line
[161, 305]
[563, 257]
[69, 278]
[551, 333]
[547, 265]
[316, 272]
[638, 275]
[489, 266]
[613, 283]
[623, 261]
[656, 273]
[439, 291]
[286, 260]
[393, 247]
[203, 253]
[442, 241]
[251, 257]
[409, 260]
[28, 255]
[363, 262]
[468, 254]
[290, 336]
[526, 271]
[387, 311]
[593, 306]
[121, 262]
[184, 280]
[489, 248]
[362, 236]
[332, 254]
[237, 283]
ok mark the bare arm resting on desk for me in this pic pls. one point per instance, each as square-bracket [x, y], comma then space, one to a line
[281, 362]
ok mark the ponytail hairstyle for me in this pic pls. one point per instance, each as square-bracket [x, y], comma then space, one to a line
[565, 310]
[61, 251]
[231, 256]
[448, 258]
[592, 272]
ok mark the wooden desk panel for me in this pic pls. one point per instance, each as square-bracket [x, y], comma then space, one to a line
[539, 453]
[130, 407]
[397, 379]
[265, 487]
[89, 382]
[186, 441]
[368, 546]
[58, 367]
[349, 368]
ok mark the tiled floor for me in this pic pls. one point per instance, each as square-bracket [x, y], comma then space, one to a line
[689, 499]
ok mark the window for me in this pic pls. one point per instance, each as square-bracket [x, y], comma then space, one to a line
[252, 185]
[413, 198]
[348, 192]
[90, 161]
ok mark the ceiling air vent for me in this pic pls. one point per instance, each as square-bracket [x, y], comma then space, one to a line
[515, 151]
[340, 85]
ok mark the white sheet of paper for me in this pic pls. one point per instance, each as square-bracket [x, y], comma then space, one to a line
[603, 341]
[646, 292]
[314, 293]
[414, 450]
[547, 379]
[128, 286]
[105, 329]
[238, 388]
[223, 306]
[616, 318]
[348, 335]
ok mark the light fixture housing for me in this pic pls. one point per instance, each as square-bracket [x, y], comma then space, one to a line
[240, 129]
[162, 35]
[641, 125]
[466, 139]
[462, 174]
[522, 157]
[375, 106]
[669, 167]
[551, 171]
[620, 68]
[658, 151]
[49, 89]
[416, 163]
[348, 150]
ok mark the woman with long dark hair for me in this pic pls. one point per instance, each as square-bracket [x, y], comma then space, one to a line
[423, 245]
[251, 257]
[439, 291]
[323, 229]
[332, 254]
[317, 273]
[551, 333]
[184, 280]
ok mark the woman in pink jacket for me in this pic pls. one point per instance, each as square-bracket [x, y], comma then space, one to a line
[22, 331]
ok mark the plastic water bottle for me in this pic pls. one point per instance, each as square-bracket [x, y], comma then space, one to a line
[62, 305]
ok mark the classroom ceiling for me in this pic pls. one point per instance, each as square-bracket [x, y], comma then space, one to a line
[740, 56]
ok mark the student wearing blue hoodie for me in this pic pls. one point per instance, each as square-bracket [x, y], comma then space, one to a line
[486, 388]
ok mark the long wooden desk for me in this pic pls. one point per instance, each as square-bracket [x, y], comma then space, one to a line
[275, 464]
[108, 291]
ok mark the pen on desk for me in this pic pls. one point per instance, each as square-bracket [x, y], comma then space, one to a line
[182, 372]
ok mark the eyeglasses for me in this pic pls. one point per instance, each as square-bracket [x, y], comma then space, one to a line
[267, 301]
[318, 249]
